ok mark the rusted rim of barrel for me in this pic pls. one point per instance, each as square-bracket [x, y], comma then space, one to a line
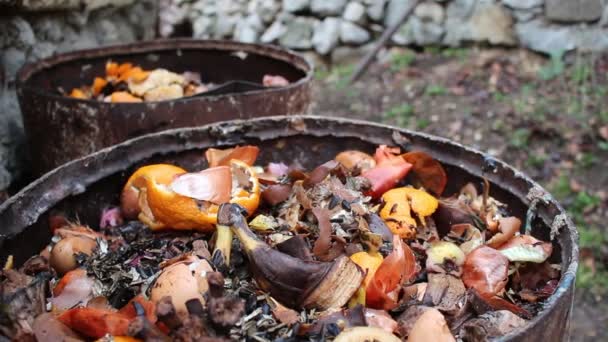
[25, 207]
[151, 46]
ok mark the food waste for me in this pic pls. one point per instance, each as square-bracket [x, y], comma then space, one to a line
[364, 247]
[126, 82]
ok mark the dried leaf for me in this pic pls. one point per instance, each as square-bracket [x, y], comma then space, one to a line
[323, 242]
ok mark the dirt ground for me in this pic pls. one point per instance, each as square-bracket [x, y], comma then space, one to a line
[546, 116]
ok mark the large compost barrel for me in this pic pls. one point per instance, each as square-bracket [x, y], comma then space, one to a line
[83, 187]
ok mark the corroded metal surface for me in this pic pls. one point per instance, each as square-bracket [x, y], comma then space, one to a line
[85, 186]
[60, 129]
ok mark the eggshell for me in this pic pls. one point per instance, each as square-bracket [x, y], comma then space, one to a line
[62, 255]
[182, 281]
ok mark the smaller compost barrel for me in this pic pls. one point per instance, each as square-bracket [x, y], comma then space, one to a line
[60, 128]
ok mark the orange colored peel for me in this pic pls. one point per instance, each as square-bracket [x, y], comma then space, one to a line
[400, 203]
[160, 207]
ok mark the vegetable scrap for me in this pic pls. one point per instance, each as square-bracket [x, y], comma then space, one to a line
[128, 83]
[361, 248]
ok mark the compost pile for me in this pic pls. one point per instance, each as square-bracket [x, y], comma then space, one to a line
[126, 82]
[361, 248]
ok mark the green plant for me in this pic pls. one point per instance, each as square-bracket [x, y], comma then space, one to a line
[520, 138]
[401, 114]
[435, 90]
[554, 68]
[560, 188]
[597, 281]
[402, 60]
[433, 50]
[422, 123]
[603, 115]
[499, 97]
[536, 161]
[340, 75]
[455, 52]
[587, 160]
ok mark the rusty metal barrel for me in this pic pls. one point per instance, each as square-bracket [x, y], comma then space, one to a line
[60, 128]
[84, 187]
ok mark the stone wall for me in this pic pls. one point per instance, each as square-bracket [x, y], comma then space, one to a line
[30, 30]
[323, 25]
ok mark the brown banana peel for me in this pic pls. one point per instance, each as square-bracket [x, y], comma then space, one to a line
[294, 282]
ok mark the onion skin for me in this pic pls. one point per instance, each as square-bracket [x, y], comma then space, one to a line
[431, 326]
[486, 270]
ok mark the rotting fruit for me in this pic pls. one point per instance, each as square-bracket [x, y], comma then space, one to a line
[352, 250]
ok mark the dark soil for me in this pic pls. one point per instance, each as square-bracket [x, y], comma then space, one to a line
[547, 117]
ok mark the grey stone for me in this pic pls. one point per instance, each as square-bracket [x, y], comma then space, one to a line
[523, 15]
[351, 33]
[78, 19]
[426, 33]
[42, 50]
[47, 28]
[405, 34]
[395, 10]
[430, 11]
[546, 38]
[225, 24]
[40, 5]
[11, 139]
[326, 35]
[293, 6]
[16, 32]
[457, 30]
[248, 30]
[107, 31]
[274, 32]
[492, 23]
[375, 9]
[604, 20]
[12, 59]
[202, 27]
[522, 4]
[169, 15]
[460, 9]
[354, 12]
[573, 10]
[93, 5]
[590, 39]
[298, 34]
[327, 7]
[418, 31]
[266, 9]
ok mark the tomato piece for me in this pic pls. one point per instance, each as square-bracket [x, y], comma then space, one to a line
[96, 323]
[149, 308]
[389, 170]
[397, 268]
